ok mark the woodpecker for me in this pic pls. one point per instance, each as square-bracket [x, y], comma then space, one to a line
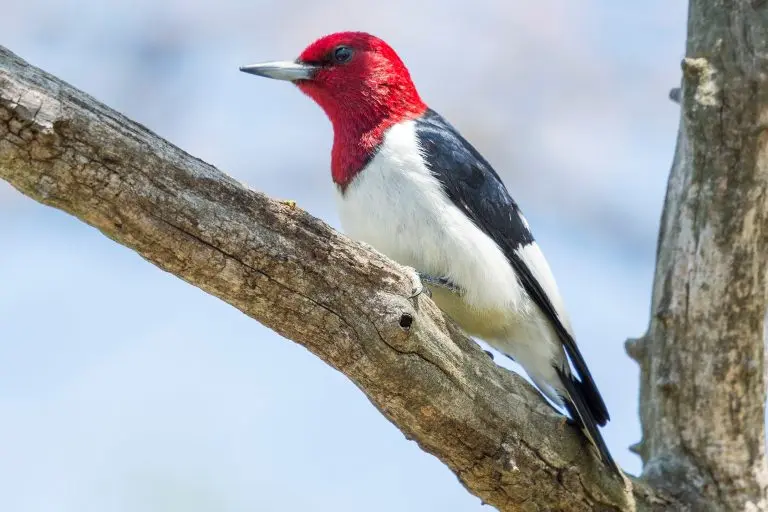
[411, 186]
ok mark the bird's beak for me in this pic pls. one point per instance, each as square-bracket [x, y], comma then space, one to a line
[282, 70]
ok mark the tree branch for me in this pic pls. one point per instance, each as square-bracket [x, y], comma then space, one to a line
[702, 400]
[344, 302]
[702, 363]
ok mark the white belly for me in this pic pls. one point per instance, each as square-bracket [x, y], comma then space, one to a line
[397, 206]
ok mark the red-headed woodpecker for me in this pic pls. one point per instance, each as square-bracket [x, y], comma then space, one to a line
[412, 187]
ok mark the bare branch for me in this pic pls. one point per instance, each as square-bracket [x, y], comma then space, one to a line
[344, 302]
[702, 360]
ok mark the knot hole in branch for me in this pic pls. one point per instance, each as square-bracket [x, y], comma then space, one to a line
[406, 320]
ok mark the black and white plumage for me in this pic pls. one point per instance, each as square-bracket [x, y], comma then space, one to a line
[412, 187]
[429, 200]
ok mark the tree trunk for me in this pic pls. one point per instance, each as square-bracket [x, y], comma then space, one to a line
[702, 398]
[703, 380]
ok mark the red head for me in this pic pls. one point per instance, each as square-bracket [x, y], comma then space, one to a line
[363, 87]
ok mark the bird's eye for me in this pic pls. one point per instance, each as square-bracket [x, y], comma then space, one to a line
[342, 54]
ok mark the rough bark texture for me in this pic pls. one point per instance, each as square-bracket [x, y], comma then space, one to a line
[344, 302]
[702, 360]
[702, 400]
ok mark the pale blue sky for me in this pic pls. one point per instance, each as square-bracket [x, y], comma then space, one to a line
[123, 388]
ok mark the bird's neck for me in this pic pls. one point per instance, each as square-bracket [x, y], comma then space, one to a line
[358, 134]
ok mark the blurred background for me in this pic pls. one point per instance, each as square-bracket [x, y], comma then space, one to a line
[123, 388]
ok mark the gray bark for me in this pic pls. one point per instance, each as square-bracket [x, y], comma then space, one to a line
[702, 400]
[702, 360]
[344, 302]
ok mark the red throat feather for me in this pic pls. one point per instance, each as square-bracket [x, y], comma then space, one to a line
[362, 97]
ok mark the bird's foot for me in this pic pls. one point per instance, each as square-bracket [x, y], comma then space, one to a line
[440, 282]
[418, 286]
[435, 282]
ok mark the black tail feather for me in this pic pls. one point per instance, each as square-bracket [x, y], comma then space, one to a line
[587, 385]
[577, 404]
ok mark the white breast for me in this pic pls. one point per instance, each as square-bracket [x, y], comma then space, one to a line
[396, 205]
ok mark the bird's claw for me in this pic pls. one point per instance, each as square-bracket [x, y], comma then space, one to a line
[441, 282]
[438, 282]
[418, 287]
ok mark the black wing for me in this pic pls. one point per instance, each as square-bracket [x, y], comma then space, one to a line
[475, 188]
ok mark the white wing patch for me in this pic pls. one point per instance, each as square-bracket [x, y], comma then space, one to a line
[533, 257]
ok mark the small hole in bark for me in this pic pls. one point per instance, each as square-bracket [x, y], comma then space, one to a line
[406, 320]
